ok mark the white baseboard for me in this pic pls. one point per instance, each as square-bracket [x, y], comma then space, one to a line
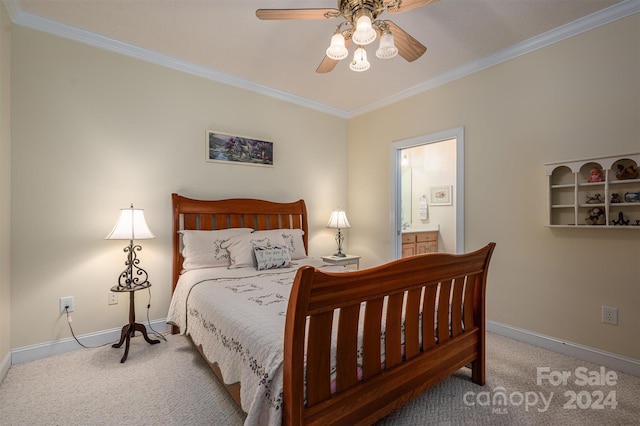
[585, 353]
[5, 364]
[43, 350]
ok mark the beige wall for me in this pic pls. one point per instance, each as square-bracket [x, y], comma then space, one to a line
[5, 187]
[577, 98]
[95, 131]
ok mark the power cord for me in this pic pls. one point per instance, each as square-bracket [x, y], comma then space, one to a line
[156, 333]
[66, 309]
[69, 320]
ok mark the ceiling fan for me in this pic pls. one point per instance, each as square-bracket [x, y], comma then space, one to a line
[361, 27]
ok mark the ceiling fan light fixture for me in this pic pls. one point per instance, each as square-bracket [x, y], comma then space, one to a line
[337, 49]
[360, 25]
[364, 33]
[387, 48]
[359, 62]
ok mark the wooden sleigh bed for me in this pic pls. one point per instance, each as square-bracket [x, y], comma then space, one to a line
[357, 344]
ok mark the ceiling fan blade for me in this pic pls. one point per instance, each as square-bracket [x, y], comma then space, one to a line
[411, 4]
[270, 14]
[408, 47]
[327, 65]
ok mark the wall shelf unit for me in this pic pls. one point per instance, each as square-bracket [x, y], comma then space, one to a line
[574, 192]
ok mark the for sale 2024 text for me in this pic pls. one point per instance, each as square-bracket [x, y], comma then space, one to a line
[596, 399]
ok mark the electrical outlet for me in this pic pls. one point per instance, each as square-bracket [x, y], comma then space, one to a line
[609, 315]
[113, 298]
[66, 302]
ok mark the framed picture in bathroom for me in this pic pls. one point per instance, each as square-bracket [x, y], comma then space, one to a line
[441, 195]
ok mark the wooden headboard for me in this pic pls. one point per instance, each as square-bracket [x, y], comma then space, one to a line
[233, 213]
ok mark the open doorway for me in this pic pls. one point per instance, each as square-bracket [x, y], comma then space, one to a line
[427, 189]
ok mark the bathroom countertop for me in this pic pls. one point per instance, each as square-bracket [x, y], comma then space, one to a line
[426, 228]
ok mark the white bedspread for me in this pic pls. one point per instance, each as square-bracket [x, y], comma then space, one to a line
[237, 315]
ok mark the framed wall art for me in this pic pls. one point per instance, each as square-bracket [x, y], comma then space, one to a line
[441, 195]
[235, 149]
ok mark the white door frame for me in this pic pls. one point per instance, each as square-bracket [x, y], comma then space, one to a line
[396, 206]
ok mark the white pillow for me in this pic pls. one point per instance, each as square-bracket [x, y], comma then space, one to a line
[272, 257]
[292, 239]
[240, 248]
[202, 249]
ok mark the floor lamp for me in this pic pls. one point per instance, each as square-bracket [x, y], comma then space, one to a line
[131, 226]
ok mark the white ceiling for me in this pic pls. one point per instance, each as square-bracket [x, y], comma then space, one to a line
[223, 40]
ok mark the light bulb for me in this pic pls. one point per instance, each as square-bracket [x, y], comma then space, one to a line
[364, 33]
[337, 50]
[359, 62]
[387, 48]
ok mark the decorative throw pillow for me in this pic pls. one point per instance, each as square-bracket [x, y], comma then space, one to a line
[292, 239]
[272, 257]
[240, 248]
[202, 249]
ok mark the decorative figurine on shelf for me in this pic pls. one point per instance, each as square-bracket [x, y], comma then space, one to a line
[624, 173]
[596, 217]
[594, 200]
[632, 197]
[595, 175]
[615, 198]
[620, 221]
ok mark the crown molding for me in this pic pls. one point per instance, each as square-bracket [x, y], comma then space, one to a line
[579, 26]
[595, 20]
[12, 7]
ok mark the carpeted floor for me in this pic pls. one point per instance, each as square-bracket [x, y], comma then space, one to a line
[169, 384]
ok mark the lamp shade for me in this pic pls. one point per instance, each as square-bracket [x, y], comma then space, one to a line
[337, 50]
[338, 220]
[359, 62]
[364, 33]
[130, 226]
[387, 47]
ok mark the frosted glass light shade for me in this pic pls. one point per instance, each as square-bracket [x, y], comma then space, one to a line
[364, 33]
[359, 62]
[130, 226]
[387, 48]
[337, 49]
[338, 220]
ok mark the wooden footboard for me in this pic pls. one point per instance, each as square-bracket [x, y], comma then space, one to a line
[427, 312]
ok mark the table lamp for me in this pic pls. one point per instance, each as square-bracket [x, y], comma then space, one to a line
[338, 220]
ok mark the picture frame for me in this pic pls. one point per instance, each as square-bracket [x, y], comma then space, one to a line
[441, 195]
[226, 148]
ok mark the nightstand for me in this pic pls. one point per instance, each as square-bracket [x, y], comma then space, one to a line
[343, 261]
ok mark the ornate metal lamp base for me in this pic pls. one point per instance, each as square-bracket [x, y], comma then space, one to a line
[339, 240]
[133, 277]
